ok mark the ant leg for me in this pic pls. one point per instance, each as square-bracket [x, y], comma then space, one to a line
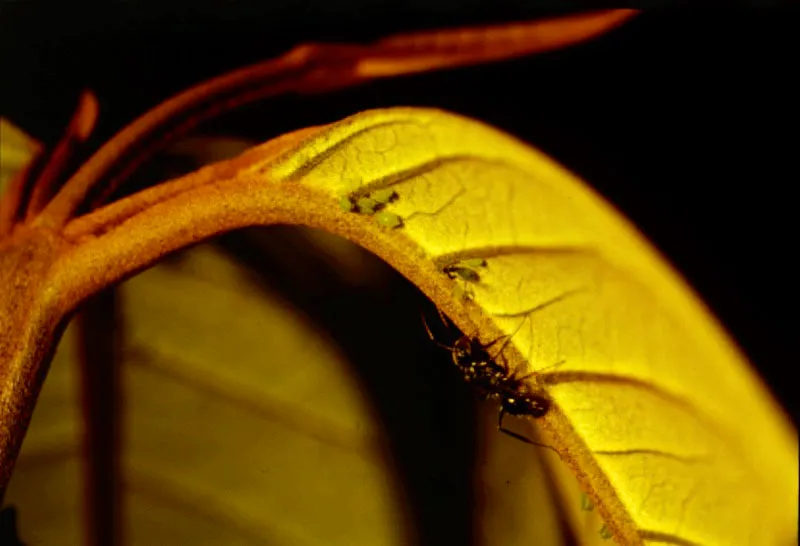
[509, 432]
[539, 371]
[441, 316]
[507, 337]
[551, 366]
[496, 358]
[495, 341]
[526, 376]
[520, 437]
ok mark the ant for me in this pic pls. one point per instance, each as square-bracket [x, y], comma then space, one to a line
[495, 380]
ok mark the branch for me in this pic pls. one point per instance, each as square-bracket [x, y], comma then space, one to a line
[313, 69]
[78, 129]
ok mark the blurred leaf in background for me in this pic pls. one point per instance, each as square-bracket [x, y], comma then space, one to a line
[16, 150]
[246, 423]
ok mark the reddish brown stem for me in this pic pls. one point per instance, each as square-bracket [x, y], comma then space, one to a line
[315, 68]
[78, 130]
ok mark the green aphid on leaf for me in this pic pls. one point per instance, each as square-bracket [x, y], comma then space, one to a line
[605, 532]
[586, 503]
[465, 269]
[346, 204]
[384, 196]
[367, 205]
[388, 219]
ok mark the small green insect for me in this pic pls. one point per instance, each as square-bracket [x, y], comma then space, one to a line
[367, 205]
[373, 205]
[346, 204]
[605, 532]
[586, 503]
[388, 219]
[465, 269]
[384, 196]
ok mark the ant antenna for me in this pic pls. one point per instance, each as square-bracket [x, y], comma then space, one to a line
[540, 370]
[508, 338]
[430, 334]
[528, 314]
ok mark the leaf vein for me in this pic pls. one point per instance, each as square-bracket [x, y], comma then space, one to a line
[666, 538]
[690, 459]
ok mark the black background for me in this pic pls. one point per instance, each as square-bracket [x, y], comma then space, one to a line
[686, 121]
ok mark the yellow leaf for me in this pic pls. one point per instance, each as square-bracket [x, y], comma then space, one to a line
[16, 150]
[661, 418]
[257, 436]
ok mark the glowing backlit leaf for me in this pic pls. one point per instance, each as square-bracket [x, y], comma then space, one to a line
[668, 429]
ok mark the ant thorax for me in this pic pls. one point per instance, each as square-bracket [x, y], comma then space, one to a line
[495, 380]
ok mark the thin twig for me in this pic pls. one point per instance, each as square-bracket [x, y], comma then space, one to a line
[78, 130]
[308, 69]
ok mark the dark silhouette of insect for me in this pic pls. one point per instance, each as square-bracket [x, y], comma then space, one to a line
[494, 380]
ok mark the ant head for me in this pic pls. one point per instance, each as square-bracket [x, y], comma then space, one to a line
[469, 349]
[462, 348]
[525, 404]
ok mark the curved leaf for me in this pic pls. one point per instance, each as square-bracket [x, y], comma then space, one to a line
[38, 250]
[655, 410]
